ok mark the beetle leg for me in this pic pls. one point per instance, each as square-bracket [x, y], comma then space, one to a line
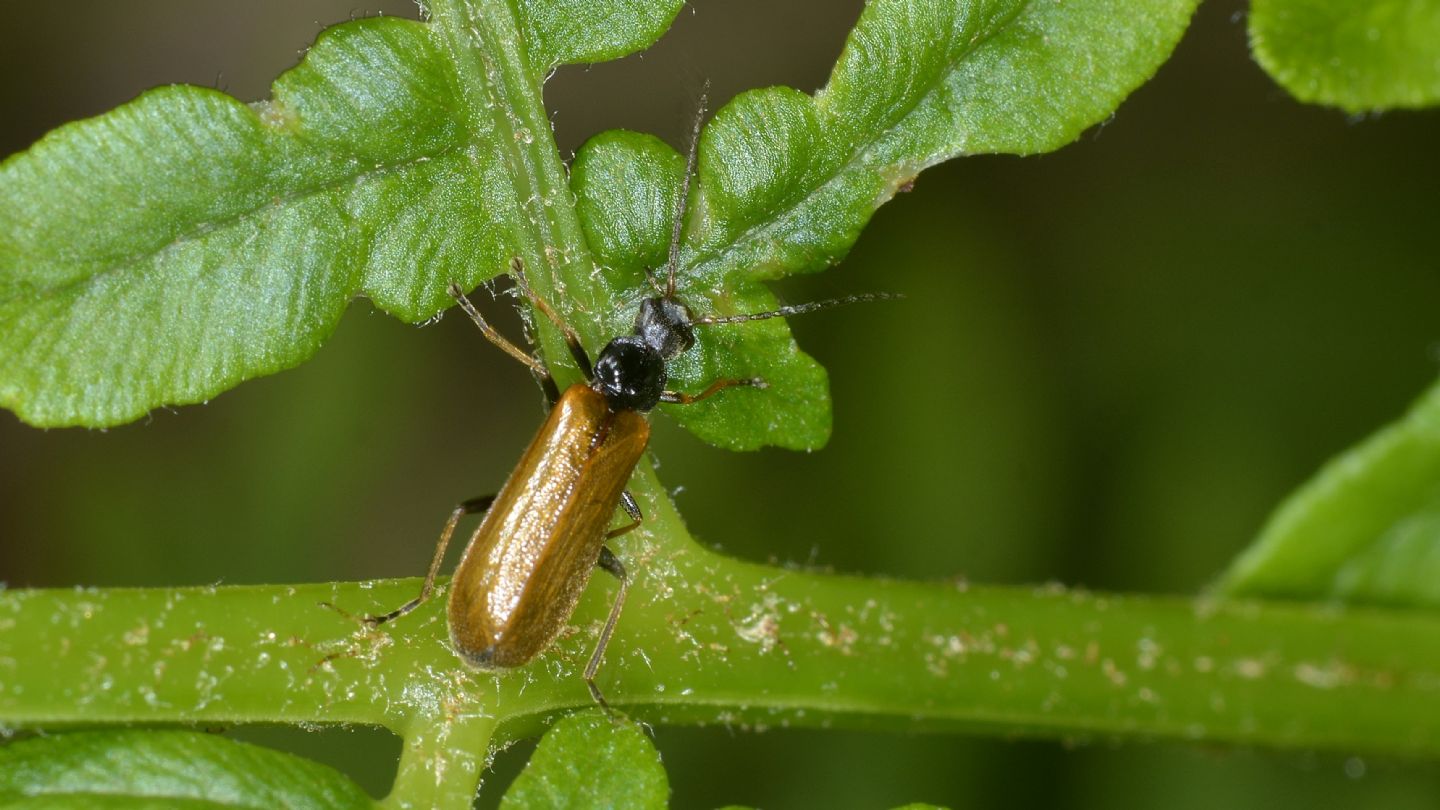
[715, 387]
[627, 502]
[469, 507]
[547, 382]
[611, 563]
[494, 336]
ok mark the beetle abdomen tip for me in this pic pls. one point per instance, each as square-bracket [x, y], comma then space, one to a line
[480, 659]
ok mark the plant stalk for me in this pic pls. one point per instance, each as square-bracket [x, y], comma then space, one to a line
[503, 97]
[706, 639]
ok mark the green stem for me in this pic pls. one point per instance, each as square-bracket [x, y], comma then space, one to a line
[502, 93]
[709, 639]
[442, 762]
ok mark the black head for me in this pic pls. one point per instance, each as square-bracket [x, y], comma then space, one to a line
[663, 323]
[630, 374]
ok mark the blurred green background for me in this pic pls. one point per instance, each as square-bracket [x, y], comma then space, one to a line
[1113, 361]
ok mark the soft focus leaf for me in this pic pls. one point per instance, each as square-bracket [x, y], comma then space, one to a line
[146, 768]
[1356, 56]
[786, 180]
[1401, 567]
[591, 760]
[1365, 529]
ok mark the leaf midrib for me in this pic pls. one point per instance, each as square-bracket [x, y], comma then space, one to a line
[198, 231]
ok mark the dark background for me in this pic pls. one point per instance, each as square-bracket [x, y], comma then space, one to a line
[1113, 362]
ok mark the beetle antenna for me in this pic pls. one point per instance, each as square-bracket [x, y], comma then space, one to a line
[679, 224]
[797, 309]
[572, 340]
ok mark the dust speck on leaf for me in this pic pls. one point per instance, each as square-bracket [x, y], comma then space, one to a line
[275, 115]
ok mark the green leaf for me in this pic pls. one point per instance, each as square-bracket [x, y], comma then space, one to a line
[167, 251]
[152, 768]
[1374, 55]
[789, 180]
[786, 181]
[1365, 529]
[184, 242]
[626, 185]
[562, 32]
[591, 760]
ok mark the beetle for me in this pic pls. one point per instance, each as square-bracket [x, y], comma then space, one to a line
[545, 532]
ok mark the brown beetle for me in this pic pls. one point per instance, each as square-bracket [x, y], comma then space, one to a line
[529, 560]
